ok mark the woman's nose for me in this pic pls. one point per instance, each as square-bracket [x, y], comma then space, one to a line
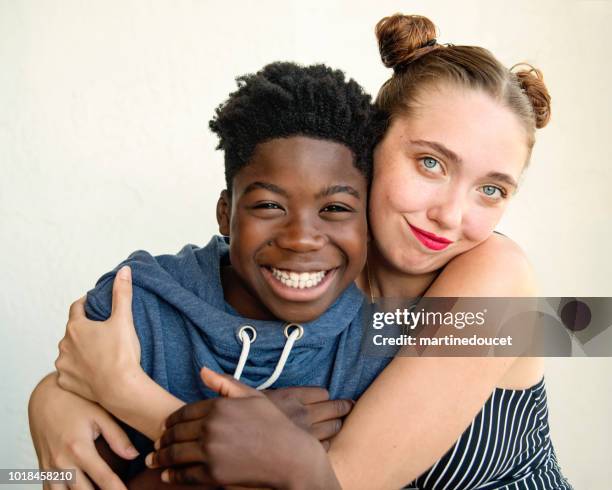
[301, 235]
[448, 210]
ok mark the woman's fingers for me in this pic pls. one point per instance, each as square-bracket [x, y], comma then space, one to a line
[56, 486]
[122, 293]
[80, 482]
[328, 410]
[176, 454]
[77, 309]
[116, 437]
[97, 469]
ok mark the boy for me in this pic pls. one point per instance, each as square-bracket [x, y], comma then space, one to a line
[297, 144]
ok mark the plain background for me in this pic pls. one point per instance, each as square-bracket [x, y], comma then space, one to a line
[105, 148]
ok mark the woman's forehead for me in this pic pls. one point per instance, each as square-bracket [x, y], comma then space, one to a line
[470, 124]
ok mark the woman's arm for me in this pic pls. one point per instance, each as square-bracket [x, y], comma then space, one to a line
[66, 432]
[418, 407]
[408, 418]
[100, 361]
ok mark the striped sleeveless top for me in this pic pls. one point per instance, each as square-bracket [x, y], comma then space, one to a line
[507, 447]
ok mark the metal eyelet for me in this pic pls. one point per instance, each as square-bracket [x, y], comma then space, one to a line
[247, 328]
[296, 325]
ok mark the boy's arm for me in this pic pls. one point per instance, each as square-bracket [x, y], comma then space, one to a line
[100, 361]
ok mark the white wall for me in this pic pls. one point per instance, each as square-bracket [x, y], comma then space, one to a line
[104, 148]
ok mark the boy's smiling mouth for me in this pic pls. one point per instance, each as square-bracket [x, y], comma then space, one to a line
[298, 280]
[293, 285]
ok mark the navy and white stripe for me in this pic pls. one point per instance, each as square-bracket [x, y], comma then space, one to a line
[507, 447]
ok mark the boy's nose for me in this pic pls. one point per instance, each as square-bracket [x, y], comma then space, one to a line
[300, 235]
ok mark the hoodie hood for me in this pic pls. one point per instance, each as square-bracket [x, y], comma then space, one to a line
[187, 287]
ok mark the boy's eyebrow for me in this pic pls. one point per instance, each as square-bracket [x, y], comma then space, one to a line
[267, 186]
[335, 189]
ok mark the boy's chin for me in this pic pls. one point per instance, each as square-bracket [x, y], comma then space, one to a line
[300, 314]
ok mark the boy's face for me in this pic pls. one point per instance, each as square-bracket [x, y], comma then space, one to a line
[297, 227]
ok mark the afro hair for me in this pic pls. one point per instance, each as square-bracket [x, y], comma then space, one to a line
[285, 99]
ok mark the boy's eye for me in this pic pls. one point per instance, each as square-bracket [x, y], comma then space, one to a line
[267, 205]
[493, 192]
[268, 209]
[336, 208]
[431, 165]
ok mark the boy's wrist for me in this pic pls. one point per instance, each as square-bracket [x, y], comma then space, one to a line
[311, 470]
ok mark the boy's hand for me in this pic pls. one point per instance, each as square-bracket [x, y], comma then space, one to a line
[311, 409]
[244, 439]
[95, 356]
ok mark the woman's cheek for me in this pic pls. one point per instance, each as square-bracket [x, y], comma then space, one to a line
[479, 225]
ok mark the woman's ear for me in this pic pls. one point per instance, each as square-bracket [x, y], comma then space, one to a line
[224, 206]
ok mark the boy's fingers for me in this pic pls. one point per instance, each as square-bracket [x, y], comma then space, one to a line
[116, 438]
[77, 309]
[328, 410]
[122, 293]
[326, 430]
[187, 431]
[176, 454]
[227, 386]
[186, 413]
[310, 394]
[195, 474]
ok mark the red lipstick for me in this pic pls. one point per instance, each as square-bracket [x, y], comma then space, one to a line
[430, 240]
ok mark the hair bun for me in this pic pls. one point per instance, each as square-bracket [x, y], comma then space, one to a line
[404, 38]
[531, 81]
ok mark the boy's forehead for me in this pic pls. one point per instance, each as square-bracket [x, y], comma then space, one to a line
[301, 161]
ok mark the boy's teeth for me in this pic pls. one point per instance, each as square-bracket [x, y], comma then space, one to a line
[298, 280]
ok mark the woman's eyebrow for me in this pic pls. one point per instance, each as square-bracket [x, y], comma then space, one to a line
[452, 156]
[267, 186]
[335, 189]
[501, 177]
[440, 148]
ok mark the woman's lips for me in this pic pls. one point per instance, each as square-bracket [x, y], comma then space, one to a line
[299, 295]
[430, 240]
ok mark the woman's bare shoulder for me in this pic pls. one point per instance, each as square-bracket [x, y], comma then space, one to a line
[496, 267]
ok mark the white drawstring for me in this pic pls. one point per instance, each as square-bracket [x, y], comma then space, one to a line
[246, 340]
[246, 346]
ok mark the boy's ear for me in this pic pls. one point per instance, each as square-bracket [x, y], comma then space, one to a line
[224, 207]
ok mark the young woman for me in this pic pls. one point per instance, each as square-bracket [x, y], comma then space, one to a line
[460, 133]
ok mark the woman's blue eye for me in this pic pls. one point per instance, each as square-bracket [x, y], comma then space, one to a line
[491, 190]
[430, 163]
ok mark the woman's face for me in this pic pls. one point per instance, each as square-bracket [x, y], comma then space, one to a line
[443, 177]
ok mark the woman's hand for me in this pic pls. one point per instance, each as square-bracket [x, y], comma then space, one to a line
[64, 428]
[245, 439]
[95, 356]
